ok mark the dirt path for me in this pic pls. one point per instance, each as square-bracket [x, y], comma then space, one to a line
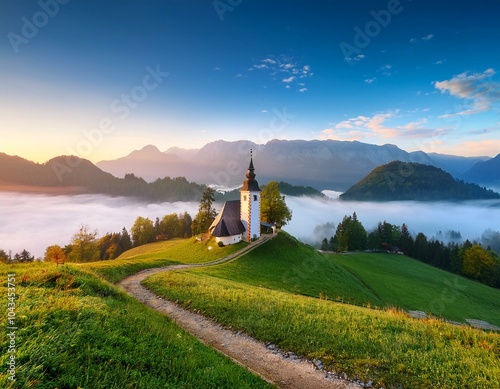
[246, 351]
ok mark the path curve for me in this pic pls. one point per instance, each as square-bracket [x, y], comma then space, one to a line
[244, 350]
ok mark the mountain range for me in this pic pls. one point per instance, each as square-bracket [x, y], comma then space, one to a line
[326, 164]
[73, 175]
[333, 165]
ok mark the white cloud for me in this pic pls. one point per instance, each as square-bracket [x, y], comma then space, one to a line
[476, 88]
[424, 38]
[377, 127]
[355, 59]
[287, 66]
[385, 70]
[303, 90]
[269, 61]
[284, 69]
[371, 80]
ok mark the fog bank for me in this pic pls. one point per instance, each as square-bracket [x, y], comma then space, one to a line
[470, 218]
[34, 222]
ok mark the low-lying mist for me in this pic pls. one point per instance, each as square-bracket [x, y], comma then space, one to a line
[470, 218]
[34, 222]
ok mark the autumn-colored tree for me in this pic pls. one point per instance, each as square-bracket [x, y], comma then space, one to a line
[55, 254]
[477, 263]
[84, 246]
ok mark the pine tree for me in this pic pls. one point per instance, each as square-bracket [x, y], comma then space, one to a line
[206, 213]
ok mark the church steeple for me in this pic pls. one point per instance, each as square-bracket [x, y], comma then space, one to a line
[250, 184]
[250, 204]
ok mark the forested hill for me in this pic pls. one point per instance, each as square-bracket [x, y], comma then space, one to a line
[70, 174]
[413, 181]
[284, 187]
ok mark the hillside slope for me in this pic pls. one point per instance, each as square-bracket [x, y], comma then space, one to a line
[70, 174]
[262, 295]
[413, 181]
[76, 330]
[485, 172]
[383, 280]
[285, 263]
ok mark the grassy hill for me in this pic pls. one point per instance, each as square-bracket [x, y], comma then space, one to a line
[413, 181]
[76, 330]
[286, 264]
[280, 293]
[368, 279]
[272, 294]
[412, 285]
[159, 254]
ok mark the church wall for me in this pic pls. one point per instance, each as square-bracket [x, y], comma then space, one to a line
[226, 240]
[250, 214]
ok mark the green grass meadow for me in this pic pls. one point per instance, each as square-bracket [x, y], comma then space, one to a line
[286, 293]
[76, 330]
[159, 254]
[388, 347]
[407, 283]
[286, 264]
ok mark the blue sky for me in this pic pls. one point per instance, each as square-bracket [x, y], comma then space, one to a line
[101, 78]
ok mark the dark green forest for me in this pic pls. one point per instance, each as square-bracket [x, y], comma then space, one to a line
[414, 181]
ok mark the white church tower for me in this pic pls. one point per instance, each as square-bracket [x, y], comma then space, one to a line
[250, 204]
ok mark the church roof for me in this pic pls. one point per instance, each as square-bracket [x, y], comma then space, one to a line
[251, 184]
[228, 221]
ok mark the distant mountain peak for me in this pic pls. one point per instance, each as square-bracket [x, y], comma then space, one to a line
[146, 150]
[485, 172]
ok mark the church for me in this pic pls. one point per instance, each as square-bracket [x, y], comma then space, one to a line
[240, 219]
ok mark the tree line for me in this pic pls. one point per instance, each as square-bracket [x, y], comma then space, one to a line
[86, 246]
[469, 259]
